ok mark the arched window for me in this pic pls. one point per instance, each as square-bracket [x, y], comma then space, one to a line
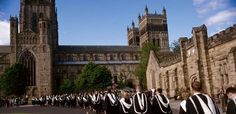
[122, 57]
[96, 58]
[28, 60]
[85, 58]
[111, 57]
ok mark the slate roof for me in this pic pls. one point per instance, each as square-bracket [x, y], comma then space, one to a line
[84, 49]
[167, 58]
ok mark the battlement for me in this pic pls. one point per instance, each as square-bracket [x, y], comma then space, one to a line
[155, 15]
[13, 18]
[222, 37]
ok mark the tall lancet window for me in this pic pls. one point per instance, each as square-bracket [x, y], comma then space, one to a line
[28, 60]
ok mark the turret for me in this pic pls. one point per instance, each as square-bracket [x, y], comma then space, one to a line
[127, 28]
[139, 17]
[146, 10]
[164, 11]
[13, 29]
[133, 25]
[43, 31]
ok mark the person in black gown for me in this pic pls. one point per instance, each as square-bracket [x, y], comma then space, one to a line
[161, 104]
[140, 102]
[111, 103]
[126, 103]
[198, 103]
[231, 106]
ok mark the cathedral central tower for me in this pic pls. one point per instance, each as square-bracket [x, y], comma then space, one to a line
[34, 44]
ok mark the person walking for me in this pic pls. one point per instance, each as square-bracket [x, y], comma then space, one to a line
[231, 105]
[198, 103]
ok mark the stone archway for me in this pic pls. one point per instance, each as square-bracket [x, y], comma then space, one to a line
[28, 60]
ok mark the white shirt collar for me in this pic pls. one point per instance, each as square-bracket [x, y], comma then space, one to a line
[196, 93]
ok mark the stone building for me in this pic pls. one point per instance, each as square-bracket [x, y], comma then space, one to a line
[211, 60]
[152, 27]
[35, 45]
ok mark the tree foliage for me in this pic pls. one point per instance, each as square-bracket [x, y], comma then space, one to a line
[93, 77]
[175, 46]
[140, 71]
[14, 80]
[67, 86]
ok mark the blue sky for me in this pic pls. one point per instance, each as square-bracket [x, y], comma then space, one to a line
[104, 22]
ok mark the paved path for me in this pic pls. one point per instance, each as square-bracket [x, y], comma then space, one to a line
[42, 110]
[29, 109]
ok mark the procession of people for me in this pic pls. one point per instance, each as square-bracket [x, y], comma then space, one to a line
[124, 101]
[129, 101]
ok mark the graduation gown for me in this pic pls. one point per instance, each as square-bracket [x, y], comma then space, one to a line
[97, 104]
[125, 106]
[182, 109]
[80, 101]
[231, 107]
[161, 105]
[201, 104]
[140, 104]
[111, 104]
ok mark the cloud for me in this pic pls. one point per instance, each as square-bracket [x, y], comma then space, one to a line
[1, 14]
[221, 17]
[206, 6]
[197, 2]
[5, 32]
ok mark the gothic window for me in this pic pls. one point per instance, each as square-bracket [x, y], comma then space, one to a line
[136, 57]
[176, 78]
[122, 57]
[85, 58]
[96, 58]
[137, 39]
[34, 22]
[154, 41]
[44, 25]
[111, 57]
[158, 42]
[70, 58]
[28, 60]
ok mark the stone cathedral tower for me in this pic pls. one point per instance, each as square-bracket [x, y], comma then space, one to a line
[152, 27]
[33, 45]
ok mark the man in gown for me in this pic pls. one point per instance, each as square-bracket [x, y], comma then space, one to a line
[126, 103]
[231, 106]
[161, 104]
[198, 103]
[111, 103]
[140, 102]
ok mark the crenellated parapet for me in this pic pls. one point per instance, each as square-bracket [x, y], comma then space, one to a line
[222, 37]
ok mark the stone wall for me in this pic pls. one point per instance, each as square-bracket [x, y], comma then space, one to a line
[68, 65]
[209, 60]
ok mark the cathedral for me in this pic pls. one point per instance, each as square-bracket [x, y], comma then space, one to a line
[34, 43]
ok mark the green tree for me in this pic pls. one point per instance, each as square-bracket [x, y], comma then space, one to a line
[140, 70]
[175, 46]
[67, 86]
[14, 80]
[93, 77]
